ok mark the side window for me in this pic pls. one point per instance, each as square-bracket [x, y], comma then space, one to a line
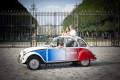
[81, 43]
[71, 43]
[57, 42]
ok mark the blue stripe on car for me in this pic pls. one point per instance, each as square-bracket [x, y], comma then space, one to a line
[42, 52]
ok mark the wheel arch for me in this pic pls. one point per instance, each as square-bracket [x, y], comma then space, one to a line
[85, 54]
[37, 56]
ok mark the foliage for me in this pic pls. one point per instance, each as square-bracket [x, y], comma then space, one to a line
[93, 15]
[15, 20]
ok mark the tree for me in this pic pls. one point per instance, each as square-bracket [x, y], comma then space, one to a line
[15, 21]
[99, 14]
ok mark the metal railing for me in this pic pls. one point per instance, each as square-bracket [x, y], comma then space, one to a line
[24, 30]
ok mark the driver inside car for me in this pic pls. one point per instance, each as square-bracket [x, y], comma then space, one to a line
[60, 45]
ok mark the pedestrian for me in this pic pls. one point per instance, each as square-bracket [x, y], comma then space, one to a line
[67, 31]
[63, 33]
[72, 31]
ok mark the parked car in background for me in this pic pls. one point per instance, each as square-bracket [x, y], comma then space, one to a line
[58, 49]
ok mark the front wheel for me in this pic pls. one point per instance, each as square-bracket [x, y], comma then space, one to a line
[84, 63]
[33, 63]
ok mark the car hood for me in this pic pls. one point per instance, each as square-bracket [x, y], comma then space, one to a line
[33, 48]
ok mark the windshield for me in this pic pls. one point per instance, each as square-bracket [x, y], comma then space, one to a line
[49, 41]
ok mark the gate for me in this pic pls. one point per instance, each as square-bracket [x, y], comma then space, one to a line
[49, 25]
[100, 29]
[16, 29]
[20, 29]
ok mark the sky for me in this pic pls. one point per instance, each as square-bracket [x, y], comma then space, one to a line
[51, 5]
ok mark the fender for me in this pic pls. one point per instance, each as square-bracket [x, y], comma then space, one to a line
[85, 54]
[24, 59]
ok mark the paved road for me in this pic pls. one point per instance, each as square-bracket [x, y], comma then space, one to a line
[107, 67]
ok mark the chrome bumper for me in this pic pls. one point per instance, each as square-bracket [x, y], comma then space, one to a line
[19, 60]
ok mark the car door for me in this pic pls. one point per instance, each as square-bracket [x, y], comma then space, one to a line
[71, 49]
[55, 53]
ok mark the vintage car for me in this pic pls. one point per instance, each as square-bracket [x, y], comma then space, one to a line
[58, 49]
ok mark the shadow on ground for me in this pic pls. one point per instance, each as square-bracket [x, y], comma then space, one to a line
[71, 65]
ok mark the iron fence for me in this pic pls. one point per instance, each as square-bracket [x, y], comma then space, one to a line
[25, 30]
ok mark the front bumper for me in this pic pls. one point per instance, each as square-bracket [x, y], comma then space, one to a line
[19, 59]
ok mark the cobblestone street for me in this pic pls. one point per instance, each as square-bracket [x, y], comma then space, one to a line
[106, 67]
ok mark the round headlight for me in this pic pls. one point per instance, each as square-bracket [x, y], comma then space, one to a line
[24, 52]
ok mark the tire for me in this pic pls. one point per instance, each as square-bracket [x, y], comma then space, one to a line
[84, 63]
[33, 63]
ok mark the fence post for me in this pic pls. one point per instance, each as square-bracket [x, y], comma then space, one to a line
[78, 24]
[118, 30]
[33, 35]
[55, 26]
[96, 33]
[36, 30]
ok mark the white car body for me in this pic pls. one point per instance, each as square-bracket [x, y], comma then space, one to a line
[50, 54]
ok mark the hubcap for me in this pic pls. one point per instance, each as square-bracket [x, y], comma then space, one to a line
[34, 64]
[85, 62]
